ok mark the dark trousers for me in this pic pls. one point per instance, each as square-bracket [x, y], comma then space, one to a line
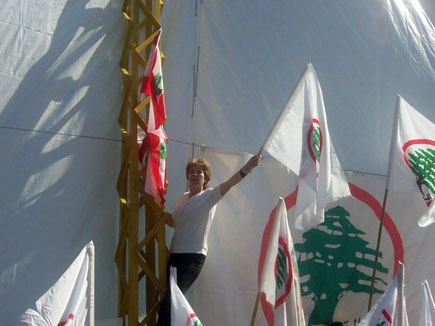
[188, 266]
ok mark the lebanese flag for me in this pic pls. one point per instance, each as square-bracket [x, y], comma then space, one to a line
[156, 139]
[412, 158]
[155, 181]
[152, 85]
[70, 301]
[182, 313]
[279, 279]
[427, 312]
[390, 309]
[300, 140]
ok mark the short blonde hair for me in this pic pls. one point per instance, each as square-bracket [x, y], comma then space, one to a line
[204, 165]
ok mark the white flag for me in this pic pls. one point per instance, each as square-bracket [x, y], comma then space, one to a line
[182, 313]
[300, 140]
[390, 309]
[70, 301]
[427, 312]
[412, 158]
[279, 281]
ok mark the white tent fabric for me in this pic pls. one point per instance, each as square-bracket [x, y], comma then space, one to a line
[230, 65]
[60, 96]
[249, 57]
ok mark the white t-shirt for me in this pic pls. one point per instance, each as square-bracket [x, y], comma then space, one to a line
[193, 217]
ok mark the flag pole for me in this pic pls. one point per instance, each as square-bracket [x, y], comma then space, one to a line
[387, 185]
[254, 313]
[289, 103]
[381, 224]
[91, 279]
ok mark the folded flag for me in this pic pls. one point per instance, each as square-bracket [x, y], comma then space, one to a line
[390, 309]
[182, 313]
[427, 312]
[279, 279]
[70, 301]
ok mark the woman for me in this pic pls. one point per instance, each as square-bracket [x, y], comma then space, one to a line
[192, 217]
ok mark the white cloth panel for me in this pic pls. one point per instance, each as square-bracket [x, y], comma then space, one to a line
[60, 86]
[251, 56]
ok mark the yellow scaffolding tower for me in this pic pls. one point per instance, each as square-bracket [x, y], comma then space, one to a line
[141, 265]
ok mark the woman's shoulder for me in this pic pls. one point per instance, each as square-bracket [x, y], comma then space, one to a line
[180, 201]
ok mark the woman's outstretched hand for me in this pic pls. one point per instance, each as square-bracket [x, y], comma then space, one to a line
[252, 163]
[239, 175]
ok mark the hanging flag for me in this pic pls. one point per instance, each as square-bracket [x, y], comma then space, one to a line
[427, 312]
[279, 280]
[155, 181]
[390, 309]
[182, 313]
[300, 140]
[152, 85]
[412, 158]
[70, 301]
[156, 139]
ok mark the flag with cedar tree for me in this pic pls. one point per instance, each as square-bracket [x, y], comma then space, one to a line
[152, 86]
[390, 309]
[300, 140]
[182, 313]
[412, 158]
[279, 278]
[156, 139]
[70, 301]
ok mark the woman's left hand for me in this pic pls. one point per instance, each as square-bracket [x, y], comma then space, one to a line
[252, 163]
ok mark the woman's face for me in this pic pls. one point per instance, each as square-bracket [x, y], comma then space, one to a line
[196, 179]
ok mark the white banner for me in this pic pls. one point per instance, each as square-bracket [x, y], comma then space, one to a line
[335, 259]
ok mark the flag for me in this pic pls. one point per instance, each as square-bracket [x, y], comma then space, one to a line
[156, 139]
[411, 166]
[70, 301]
[390, 309]
[279, 280]
[300, 140]
[182, 313]
[155, 181]
[152, 85]
[427, 312]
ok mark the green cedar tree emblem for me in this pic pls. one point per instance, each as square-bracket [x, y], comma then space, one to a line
[422, 164]
[282, 269]
[159, 86]
[197, 323]
[316, 142]
[163, 150]
[332, 253]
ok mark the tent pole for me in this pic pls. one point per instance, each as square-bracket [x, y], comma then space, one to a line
[381, 224]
